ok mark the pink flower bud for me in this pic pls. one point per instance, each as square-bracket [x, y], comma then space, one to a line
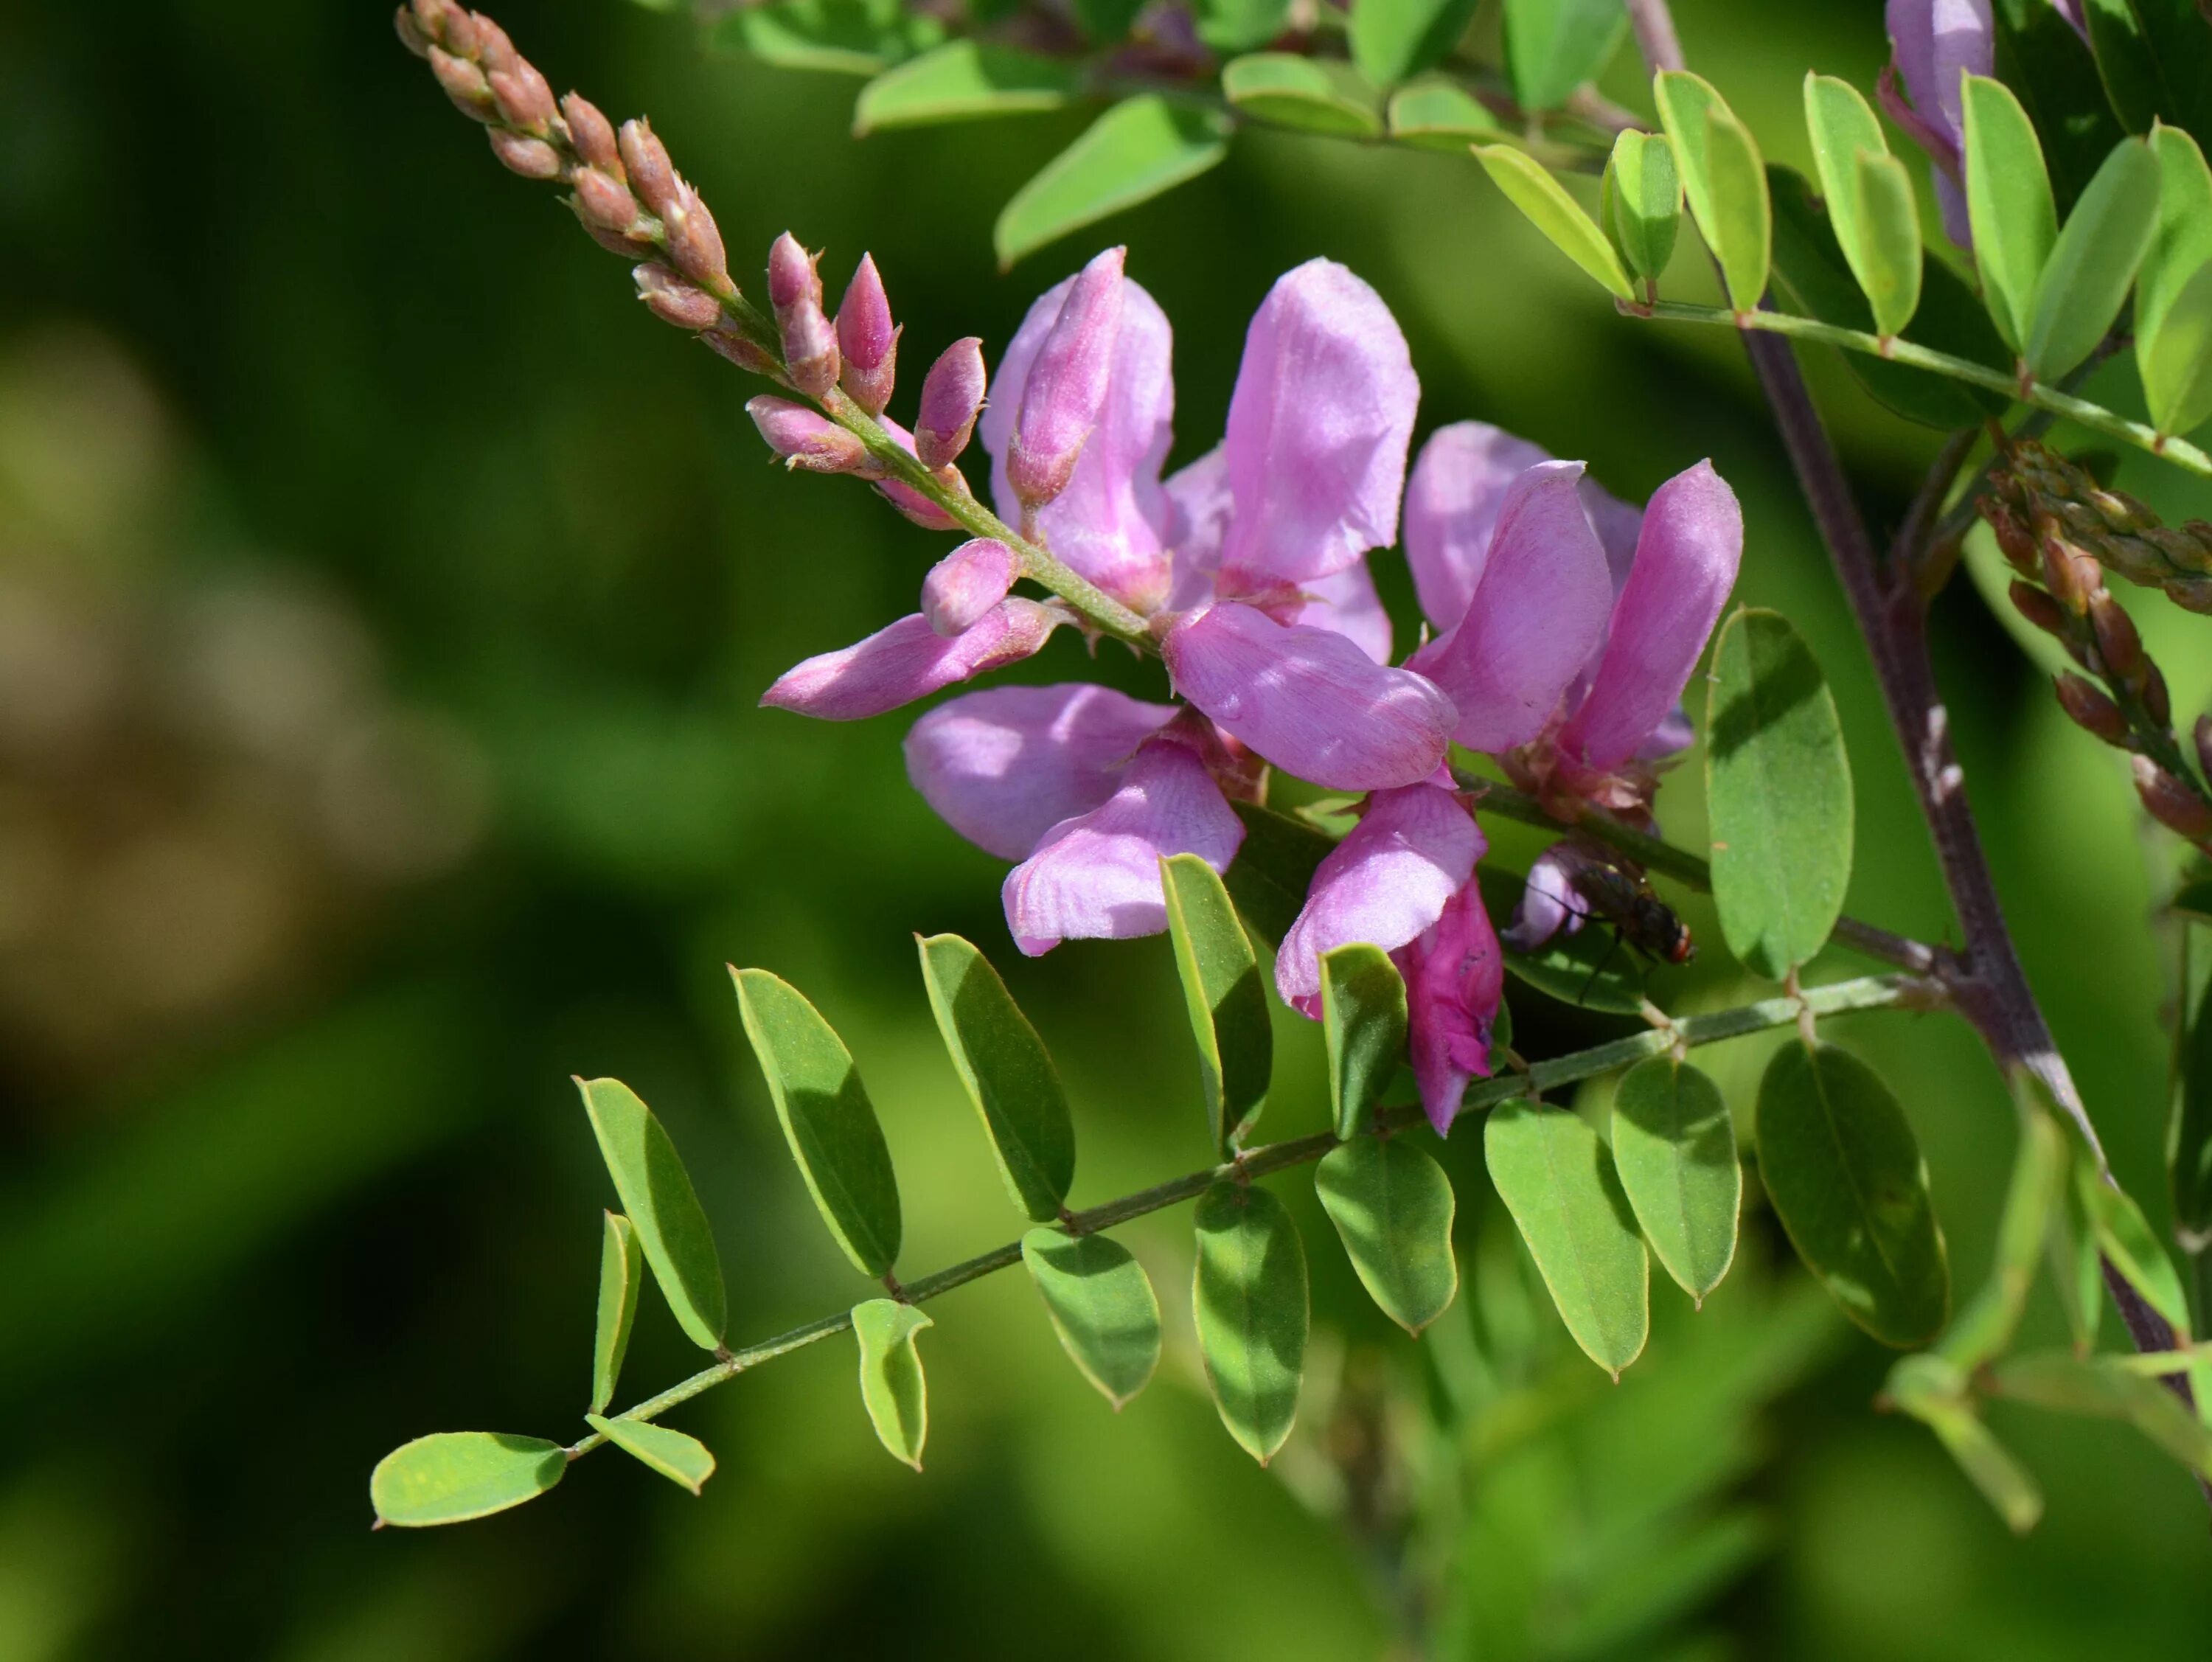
[791, 275]
[431, 17]
[807, 442]
[866, 339]
[2038, 608]
[494, 50]
[810, 353]
[524, 99]
[463, 82]
[741, 352]
[2091, 710]
[1067, 385]
[2157, 701]
[2117, 642]
[674, 301]
[533, 158]
[695, 242]
[602, 202]
[411, 34]
[967, 583]
[617, 242]
[593, 135]
[452, 26]
[2170, 802]
[952, 398]
[652, 175]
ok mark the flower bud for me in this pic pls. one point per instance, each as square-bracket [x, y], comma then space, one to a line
[593, 135]
[694, 241]
[2038, 608]
[603, 203]
[1066, 384]
[2014, 541]
[411, 34]
[533, 158]
[674, 301]
[2170, 802]
[866, 339]
[2117, 642]
[916, 506]
[742, 352]
[2091, 710]
[2157, 701]
[807, 442]
[2070, 575]
[618, 242]
[811, 354]
[524, 99]
[463, 82]
[967, 583]
[448, 24]
[2203, 735]
[791, 275]
[652, 175]
[952, 398]
[494, 50]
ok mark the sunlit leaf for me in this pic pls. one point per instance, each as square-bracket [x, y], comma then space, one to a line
[1557, 1179]
[892, 1387]
[1889, 230]
[963, 80]
[1844, 1173]
[1392, 1206]
[846, 37]
[1532, 189]
[1440, 115]
[826, 1119]
[1778, 789]
[2177, 363]
[1248, 1299]
[1673, 1145]
[1294, 91]
[2093, 265]
[2182, 244]
[683, 1460]
[1007, 1073]
[1362, 1003]
[1141, 147]
[660, 1200]
[1642, 196]
[1101, 1307]
[1274, 868]
[2009, 202]
[621, 1272]
[454, 1475]
[1393, 39]
[1223, 994]
[1841, 124]
[1724, 180]
[1553, 47]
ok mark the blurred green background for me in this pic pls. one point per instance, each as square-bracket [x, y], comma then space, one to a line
[384, 600]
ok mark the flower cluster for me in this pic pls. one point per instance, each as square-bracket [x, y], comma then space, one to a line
[1565, 625]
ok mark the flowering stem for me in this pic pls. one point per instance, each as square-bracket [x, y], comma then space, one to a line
[1867, 993]
[2094, 417]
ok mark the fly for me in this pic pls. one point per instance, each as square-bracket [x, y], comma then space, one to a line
[1644, 922]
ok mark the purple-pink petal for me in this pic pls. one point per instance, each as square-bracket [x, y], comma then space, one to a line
[907, 660]
[1385, 884]
[1348, 605]
[1454, 981]
[1538, 615]
[1548, 903]
[1004, 766]
[1063, 386]
[1098, 875]
[1452, 503]
[1686, 563]
[967, 583]
[1309, 701]
[1318, 427]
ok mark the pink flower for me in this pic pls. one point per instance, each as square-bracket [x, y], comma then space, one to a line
[1454, 981]
[1932, 43]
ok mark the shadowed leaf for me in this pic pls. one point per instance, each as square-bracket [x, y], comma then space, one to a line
[1392, 1206]
[1101, 1307]
[892, 1387]
[1248, 1298]
[658, 1198]
[1673, 1145]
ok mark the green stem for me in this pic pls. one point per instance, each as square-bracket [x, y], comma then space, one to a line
[2094, 417]
[1867, 993]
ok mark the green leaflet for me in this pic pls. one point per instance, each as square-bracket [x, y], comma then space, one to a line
[2177, 364]
[1141, 147]
[1842, 124]
[658, 1196]
[1226, 997]
[1292, 91]
[1985, 1327]
[1553, 47]
[1844, 1173]
[1674, 1147]
[1392, 1206]
[964, 80]
[1248, 1299]
[2074, 1385]
[826, 1119]
[1439, 115]
[1557, 1179]
[2086, 280]
[684, 1461]
[1933, 1392]
[1234, 25]
[1589, 969]
[1393, 39]
[1891, 258]
[454, 1475]
[1362, 1005]
[1643, 199]
[2126, 1239]
[2173, 293]
[1274, 868]
[1779, 787]
[1724, 180]
[2009, 203]
[1533, 189]
[846, 37]
[1008, 1074]
[892, 1388]
[620, 1262]
[1101, 1307]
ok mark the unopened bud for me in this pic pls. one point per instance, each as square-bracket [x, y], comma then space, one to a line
[411, 35]
[2038, 608]
[811, 356]
[806, 442]
[967, 583]
[448, 24]
[791, 275]
[2157, 701]
[652, 175]
[694, 241]
[1066, 384]
[617, 242]
[2170, 802]
[916, 506]
[2015, 540]
[952, 398]
[494, 50]
[2091, 710]
[2203, 736]
[524, 99]
[867, 341]
[2070, 575]
[674, 301]
[2117, 642]
[593, 135]
[602, 202]
[463, 82]
[533, 158]
[744, 352]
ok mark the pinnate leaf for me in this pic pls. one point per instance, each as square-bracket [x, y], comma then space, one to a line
[660, 1200]
[1226, 997]
[1101, 1307]
[451, 1477]
[1248, 1299]
[1392, 1206]
[892, 1387]
[1362, 1003]
[621, 1271]
[1673, 1145]
[684, 1460]
[1141, 147]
